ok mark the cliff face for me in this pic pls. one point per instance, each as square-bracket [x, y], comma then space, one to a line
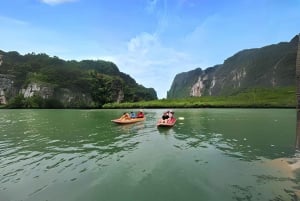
[6, 87]
[38, 89]
[269, 66]
[42, 81]
[65, 96]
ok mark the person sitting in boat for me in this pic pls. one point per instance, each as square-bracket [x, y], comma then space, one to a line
[140, 114]
[165, 116]
[171, 114]
[125, 116]
[132, 115]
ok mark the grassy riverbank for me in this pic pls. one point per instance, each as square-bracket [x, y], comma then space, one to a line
[252, 98]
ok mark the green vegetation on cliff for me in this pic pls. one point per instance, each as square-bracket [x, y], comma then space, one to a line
[270, 67]
[73, 84]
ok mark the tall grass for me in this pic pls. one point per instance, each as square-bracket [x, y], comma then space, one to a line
[251, 98]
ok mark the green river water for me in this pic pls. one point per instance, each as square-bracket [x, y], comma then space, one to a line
[210, 155]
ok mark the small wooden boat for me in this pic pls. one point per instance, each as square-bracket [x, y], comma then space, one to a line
[128, 121]
[166, 123]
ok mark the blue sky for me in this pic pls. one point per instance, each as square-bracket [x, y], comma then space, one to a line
[151, 40]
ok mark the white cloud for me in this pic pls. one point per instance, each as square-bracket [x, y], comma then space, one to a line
[141, 44]
[151, 5]
[55, 2]
[8, 20]
[151, 63]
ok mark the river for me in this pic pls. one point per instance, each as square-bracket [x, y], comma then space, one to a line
[210, 155]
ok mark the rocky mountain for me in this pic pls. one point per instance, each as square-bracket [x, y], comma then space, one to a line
[40, 81]
[268, 67]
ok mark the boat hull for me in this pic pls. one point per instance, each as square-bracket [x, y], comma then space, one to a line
[128, 121]
[169, 123]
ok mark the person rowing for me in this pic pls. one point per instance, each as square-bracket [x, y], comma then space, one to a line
[125, 116]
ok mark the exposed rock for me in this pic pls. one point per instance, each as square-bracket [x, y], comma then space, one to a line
[1, 61]
[55, 83]
[66, 96]
[120, 96]
[198, 87]
[72, 99]
[40, 89]
[6, 87]
[267, 67]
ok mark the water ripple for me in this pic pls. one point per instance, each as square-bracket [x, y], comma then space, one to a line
[57, 151]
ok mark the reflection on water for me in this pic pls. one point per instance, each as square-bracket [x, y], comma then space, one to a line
[57, 145]
[247, 134]
[212, 154]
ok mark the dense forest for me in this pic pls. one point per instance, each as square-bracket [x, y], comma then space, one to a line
[56, 83]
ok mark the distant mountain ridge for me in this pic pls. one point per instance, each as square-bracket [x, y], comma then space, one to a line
[40, 81]
[268, 67]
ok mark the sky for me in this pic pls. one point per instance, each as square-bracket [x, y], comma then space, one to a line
[151, 40]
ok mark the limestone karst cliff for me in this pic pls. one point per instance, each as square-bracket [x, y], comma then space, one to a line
[268, 67]
[41, 81]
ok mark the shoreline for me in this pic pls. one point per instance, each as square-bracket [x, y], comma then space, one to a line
[289, 166]
[210, 107]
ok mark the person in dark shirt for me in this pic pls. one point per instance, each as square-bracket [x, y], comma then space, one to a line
[165, 115]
